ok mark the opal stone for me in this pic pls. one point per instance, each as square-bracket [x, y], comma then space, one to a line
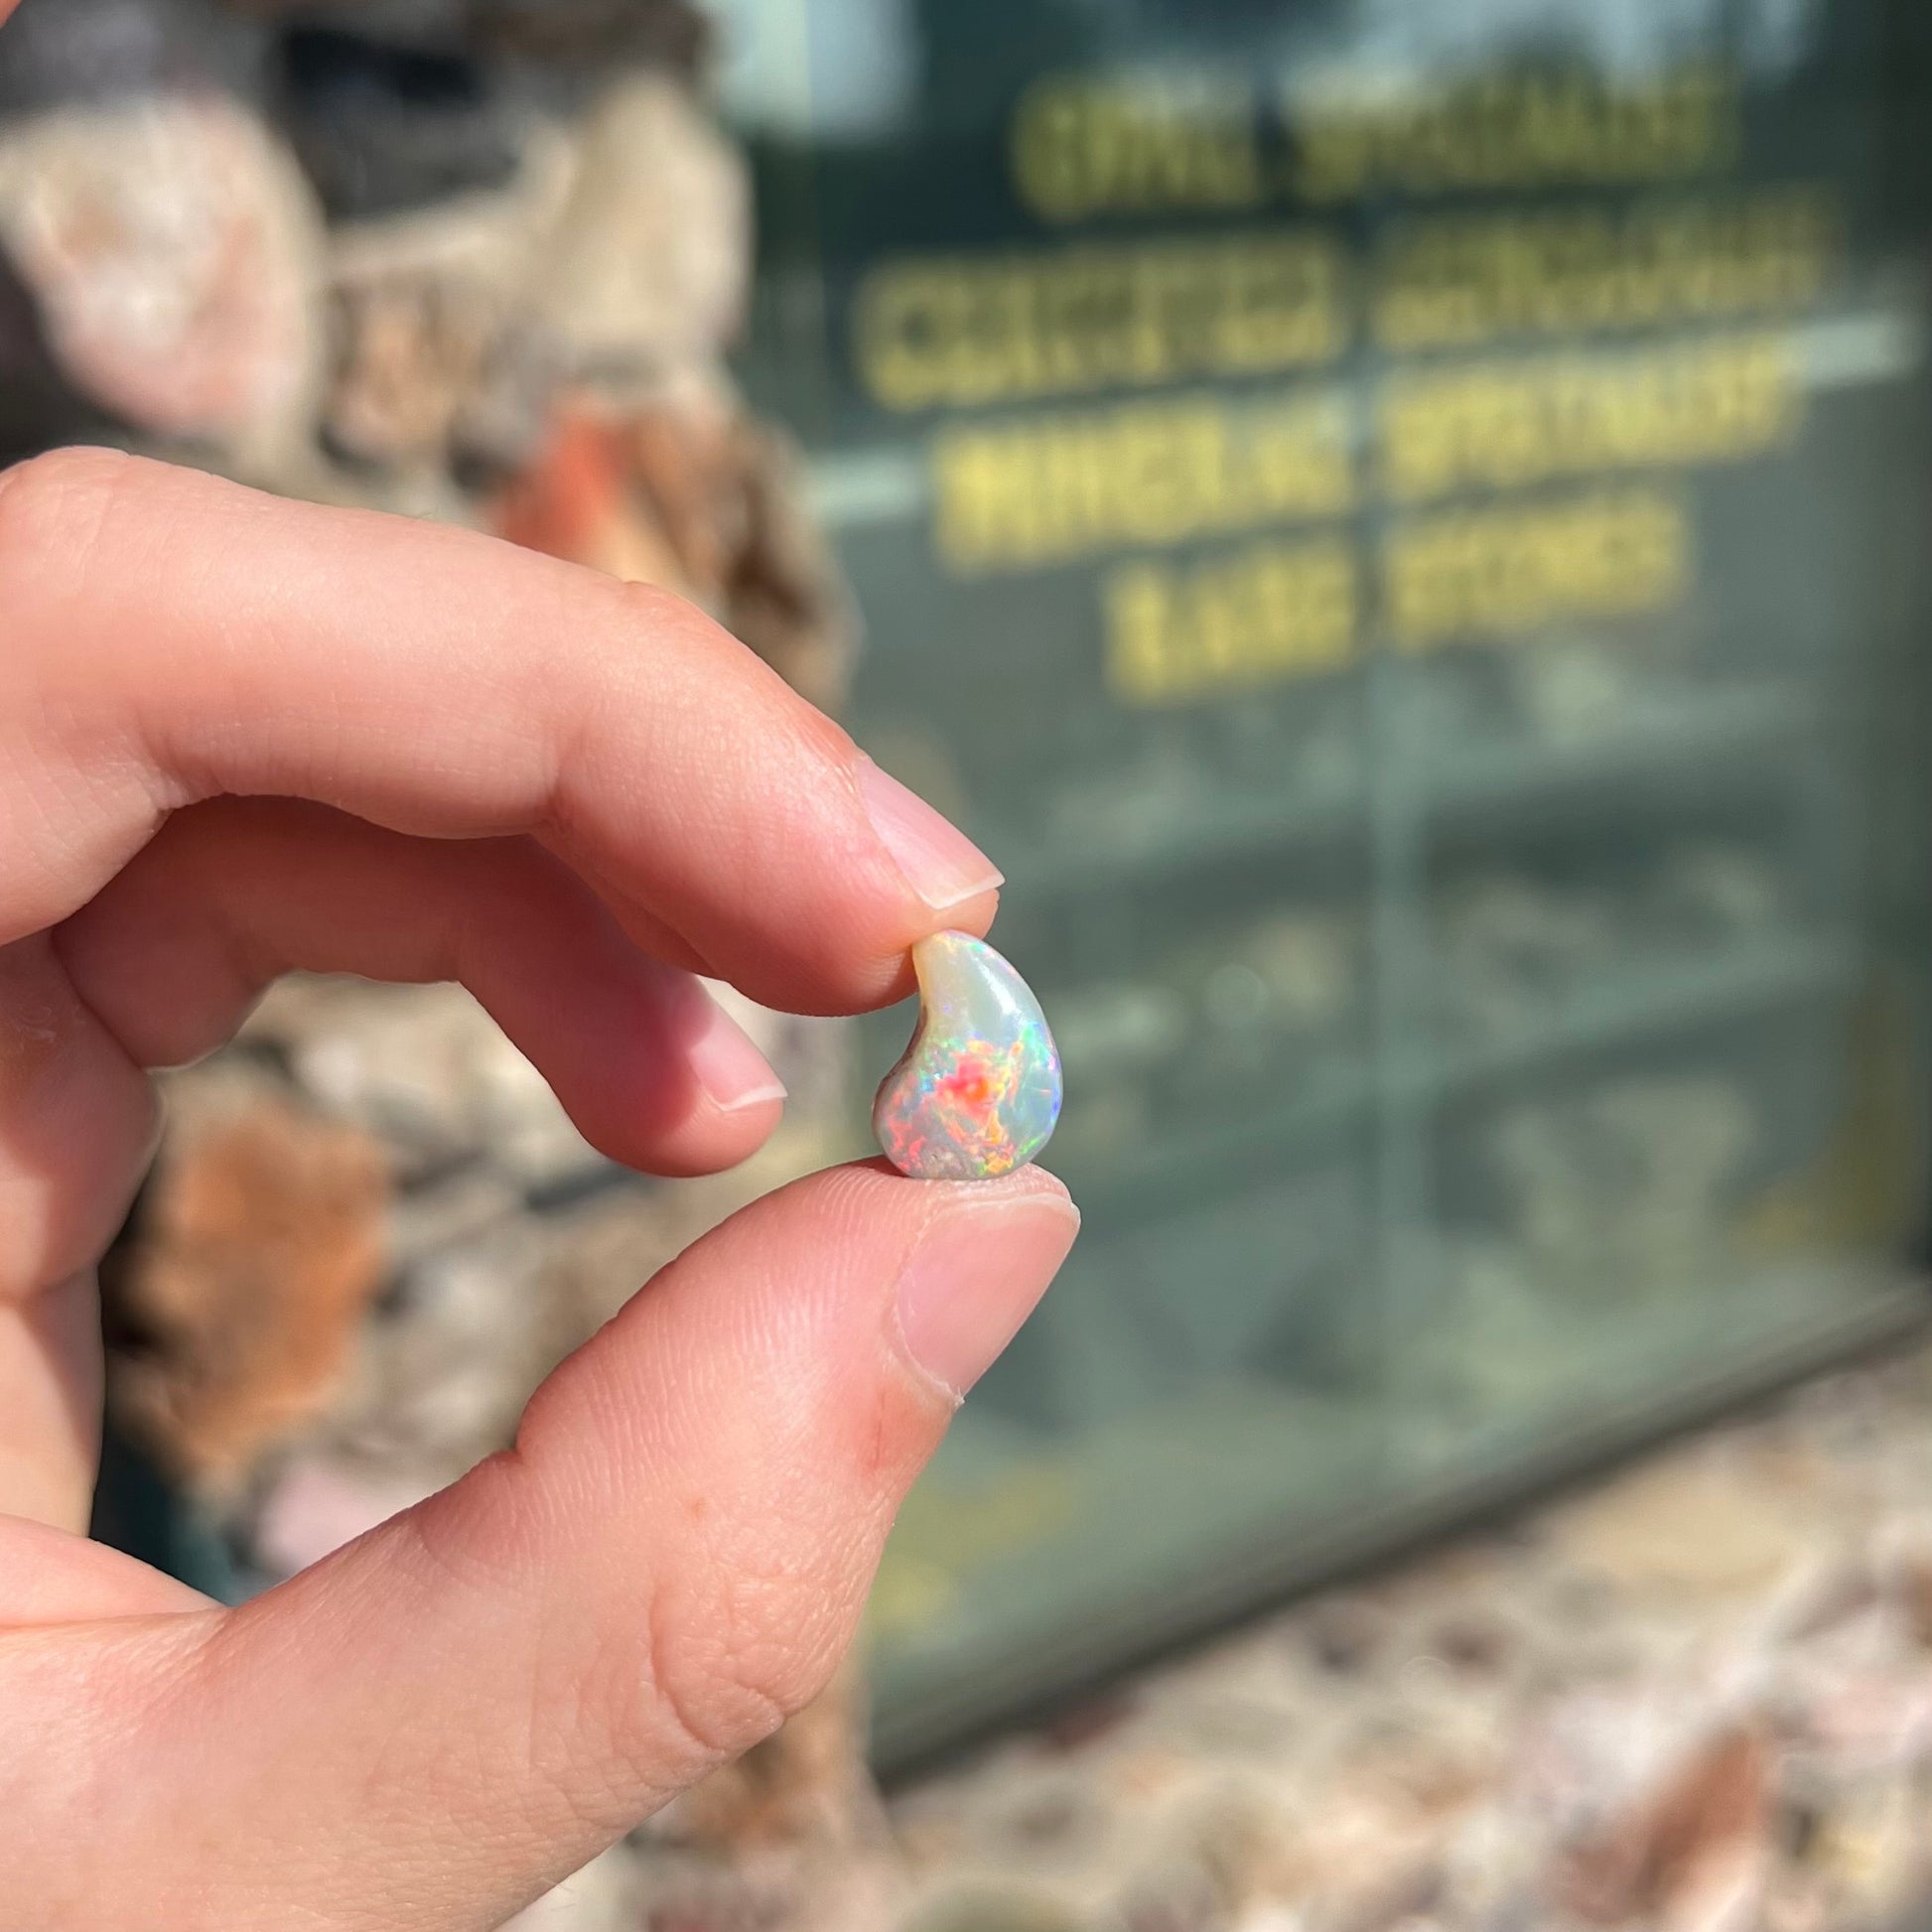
[978, 1091]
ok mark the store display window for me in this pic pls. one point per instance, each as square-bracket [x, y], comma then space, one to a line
[1403, 524]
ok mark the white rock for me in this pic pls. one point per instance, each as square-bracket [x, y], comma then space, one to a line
[176, 251]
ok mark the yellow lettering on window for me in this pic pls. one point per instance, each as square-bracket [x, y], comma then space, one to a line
[1515, 131]
[1460, 281]
[1508, 425]
[1021, 495]
[1273, 611]
[1508, 570]
[962, 332]
[1084, 146]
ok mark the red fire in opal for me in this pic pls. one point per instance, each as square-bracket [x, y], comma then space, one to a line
[970, 1083]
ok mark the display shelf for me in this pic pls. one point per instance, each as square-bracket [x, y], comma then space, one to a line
[1149, 1180]
[1708, 731]
[1230, 830]
[1654, 998]
[1604, 1014]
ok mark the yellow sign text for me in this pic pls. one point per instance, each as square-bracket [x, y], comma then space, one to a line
[1019, 495]
[1507, 425]
[1507, 569]
[1572, 128]
[1272, 611]
[1086, 145]
[1460, 281]
[959, 332]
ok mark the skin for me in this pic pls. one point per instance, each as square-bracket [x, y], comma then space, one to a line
[239, 736]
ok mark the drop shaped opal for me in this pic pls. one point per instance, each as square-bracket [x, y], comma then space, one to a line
[978, 1091]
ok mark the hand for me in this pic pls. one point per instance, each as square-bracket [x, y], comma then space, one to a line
[239, 736]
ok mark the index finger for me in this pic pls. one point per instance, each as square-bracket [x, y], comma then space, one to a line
[166, 636]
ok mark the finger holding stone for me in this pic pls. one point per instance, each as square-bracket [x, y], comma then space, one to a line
[235, 893]
[76, 1131]
[441, 1720]
[172, 636]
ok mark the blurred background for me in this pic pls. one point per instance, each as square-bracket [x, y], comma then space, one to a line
[1403, 526]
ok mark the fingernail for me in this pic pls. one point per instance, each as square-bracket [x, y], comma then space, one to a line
[729, 1065]
[940, 862]
[977, 1274]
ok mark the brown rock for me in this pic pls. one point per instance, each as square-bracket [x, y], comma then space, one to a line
[410, 353]
[1681, 1841]
[421, 305]
[783, 593]
[688, 493]
[259, 1247]
[1909, 1584]
[576, 502]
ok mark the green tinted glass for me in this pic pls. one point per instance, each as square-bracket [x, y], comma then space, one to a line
[1402, 526]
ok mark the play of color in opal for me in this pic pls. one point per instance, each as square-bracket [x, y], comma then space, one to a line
[978, 1091]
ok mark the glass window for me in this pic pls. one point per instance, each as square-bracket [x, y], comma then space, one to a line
[1402, 523]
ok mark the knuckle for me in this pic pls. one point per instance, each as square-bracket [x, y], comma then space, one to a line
[654, 631]
[653, 605]
[724, 1668]
[709, 1687]
[54, 504]
[682, 633]
[57, 518]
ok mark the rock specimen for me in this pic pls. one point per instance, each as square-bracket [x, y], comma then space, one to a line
[176, 254]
